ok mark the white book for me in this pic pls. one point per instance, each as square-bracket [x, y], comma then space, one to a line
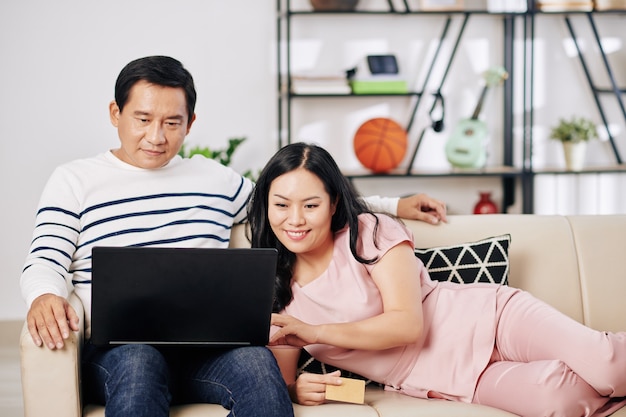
[321, 88]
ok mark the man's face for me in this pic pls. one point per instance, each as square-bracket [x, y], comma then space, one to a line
[152, 126]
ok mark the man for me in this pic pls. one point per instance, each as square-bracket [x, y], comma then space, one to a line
[143, 194]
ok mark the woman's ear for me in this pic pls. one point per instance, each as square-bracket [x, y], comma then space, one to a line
[333, 208]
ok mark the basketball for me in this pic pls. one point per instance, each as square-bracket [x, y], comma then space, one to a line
[380, 144]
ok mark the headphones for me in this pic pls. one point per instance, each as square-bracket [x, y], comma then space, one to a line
[437, 125]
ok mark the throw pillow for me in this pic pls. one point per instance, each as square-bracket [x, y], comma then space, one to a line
[307, 363]
[486, 260]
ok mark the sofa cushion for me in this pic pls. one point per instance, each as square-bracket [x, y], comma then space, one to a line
[486, 260]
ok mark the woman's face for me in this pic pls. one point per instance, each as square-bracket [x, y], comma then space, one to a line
[300, 212]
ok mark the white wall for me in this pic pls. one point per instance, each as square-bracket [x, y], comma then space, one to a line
[60, 60]
[59, 64]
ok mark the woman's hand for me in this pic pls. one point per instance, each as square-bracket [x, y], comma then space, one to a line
[293, 331]
[310, 389]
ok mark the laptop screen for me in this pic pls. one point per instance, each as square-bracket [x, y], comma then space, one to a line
[182, 296]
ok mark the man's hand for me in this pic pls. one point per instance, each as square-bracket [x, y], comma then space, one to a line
[50, 320]
[422, 207]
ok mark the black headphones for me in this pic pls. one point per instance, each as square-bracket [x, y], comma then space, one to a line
[437, 125]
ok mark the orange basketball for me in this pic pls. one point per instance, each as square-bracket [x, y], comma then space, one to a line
[380, 144]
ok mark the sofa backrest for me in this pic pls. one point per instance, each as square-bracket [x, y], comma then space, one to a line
[238, 237]
[600, 243]
[542, 256]
[574, 263]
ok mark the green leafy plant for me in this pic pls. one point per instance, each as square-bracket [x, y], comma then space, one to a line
[577, 129]
[222, 155]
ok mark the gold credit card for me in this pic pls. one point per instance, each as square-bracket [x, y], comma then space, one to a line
[350, 391]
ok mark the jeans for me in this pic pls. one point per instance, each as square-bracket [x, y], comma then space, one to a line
[142, 380]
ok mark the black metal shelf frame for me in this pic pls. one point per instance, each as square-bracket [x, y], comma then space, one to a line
[285, 95]
[528, 99]
[595, 90]
[510, 175]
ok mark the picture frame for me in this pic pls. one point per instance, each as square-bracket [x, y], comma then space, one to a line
[441, 5]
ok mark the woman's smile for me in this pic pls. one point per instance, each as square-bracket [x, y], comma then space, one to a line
[296, 234]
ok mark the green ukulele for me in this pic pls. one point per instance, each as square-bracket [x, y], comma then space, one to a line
[466, 147]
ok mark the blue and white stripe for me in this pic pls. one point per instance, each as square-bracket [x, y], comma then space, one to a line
[102, 201]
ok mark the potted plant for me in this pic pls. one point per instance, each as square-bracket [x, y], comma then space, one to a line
[223, 155]
[574, 135]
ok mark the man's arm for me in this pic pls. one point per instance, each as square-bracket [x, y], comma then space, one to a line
[415, 207]
[44, 279]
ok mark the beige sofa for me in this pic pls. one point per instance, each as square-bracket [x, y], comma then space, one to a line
[575, 263]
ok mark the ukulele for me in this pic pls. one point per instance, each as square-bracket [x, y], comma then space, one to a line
[466, 147]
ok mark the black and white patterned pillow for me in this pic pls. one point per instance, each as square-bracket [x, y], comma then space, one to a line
[486, 260]
[307, 363]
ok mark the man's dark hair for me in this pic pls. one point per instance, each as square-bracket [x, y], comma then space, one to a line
[159, 70]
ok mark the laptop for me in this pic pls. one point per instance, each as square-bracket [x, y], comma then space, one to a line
[182, 296]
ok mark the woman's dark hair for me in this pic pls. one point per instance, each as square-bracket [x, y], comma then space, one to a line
[158, 70]
[319, 162]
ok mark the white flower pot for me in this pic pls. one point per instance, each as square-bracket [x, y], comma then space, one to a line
[574, 153]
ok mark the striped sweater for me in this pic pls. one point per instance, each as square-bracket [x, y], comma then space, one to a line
[103, 201]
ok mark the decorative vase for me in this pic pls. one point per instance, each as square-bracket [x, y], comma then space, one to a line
[485, 205]
[333, 5]
[574, 153]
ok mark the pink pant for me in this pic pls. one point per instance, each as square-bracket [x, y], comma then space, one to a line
[546, 364]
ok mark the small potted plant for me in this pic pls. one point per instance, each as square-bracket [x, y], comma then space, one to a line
[574, 135]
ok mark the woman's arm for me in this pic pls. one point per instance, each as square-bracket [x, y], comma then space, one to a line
[287, 359]
[397, 276]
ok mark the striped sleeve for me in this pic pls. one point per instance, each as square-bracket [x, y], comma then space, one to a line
[57, 226]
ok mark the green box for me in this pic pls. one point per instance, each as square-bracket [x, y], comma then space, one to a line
[379, 87]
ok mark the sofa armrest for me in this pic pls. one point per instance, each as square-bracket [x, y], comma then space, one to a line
[51, 378]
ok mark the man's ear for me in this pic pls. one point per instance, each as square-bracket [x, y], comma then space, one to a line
[193, 119]
[114, 113]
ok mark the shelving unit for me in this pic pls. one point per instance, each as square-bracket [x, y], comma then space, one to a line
[510, 176]
[529, 34]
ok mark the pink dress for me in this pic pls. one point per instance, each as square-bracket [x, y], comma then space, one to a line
[481, 343]
[454, 336]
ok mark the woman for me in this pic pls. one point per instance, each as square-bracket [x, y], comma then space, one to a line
[350, 289]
